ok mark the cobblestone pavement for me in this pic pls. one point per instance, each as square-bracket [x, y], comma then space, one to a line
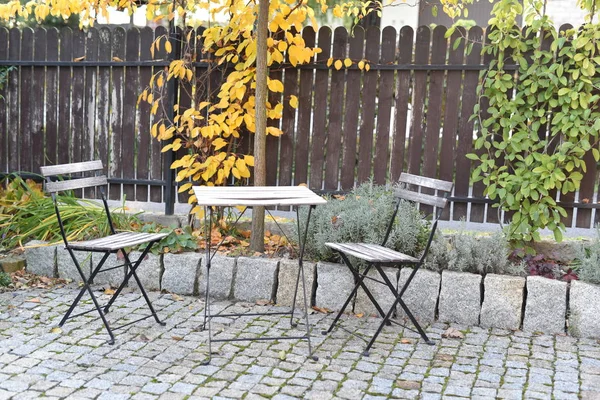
[150, 361]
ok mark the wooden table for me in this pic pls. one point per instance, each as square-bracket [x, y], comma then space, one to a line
[247, 197]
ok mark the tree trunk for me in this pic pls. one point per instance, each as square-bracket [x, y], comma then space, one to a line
[260, 173]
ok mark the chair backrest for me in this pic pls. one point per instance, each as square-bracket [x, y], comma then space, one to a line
[423, 190]
[74, 183]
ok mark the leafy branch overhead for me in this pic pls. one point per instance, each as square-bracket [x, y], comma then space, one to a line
[539, 126]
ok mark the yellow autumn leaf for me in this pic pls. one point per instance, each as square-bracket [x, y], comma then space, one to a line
[367, 67]
[361, 65]
[249, 160]
[329, 61]
[168, 46]
[337, 65]
[293, 101]
[275, 85]
[219, 143]
[347, 62]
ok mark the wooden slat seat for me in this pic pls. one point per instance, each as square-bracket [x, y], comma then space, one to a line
[117, 241]
[373, 253]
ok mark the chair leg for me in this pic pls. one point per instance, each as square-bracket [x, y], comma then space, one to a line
[402, 304]
[356, 286]
[88, 288]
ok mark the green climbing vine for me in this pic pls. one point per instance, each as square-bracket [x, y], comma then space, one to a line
[537, 123]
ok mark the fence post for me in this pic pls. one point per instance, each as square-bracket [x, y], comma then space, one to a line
[170, 192]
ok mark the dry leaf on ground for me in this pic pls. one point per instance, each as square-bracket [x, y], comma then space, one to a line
[321, 309]
[453, 333]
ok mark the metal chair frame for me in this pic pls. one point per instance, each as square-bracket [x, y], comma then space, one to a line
[379, 256]
[113, 243]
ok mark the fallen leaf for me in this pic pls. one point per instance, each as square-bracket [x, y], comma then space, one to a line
[360, 315]
[117, 59]
[144, 338]
[56, 330]
[263, 302]
[177, 338]
[453, 333]
[282, 355]
[109, 291]
[176, 297]
[321, 309]
[79, 59]
[405, 341]
[444, 357]
[34, 300]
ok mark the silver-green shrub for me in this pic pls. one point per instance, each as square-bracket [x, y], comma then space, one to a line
[477, 254]
[588, 260]
[363, 216]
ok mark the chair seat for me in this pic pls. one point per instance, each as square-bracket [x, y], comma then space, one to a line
[117, 241]
[372, 253]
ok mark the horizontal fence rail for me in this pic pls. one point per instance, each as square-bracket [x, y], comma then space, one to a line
[73, 97]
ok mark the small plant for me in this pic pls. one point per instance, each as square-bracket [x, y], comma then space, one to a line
[467, 252]
[5, 279]
[538, 264]
[179, 240]
[588, 262]
[363, 216]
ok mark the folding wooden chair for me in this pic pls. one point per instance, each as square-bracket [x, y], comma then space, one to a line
[378, 255]
[106, 245]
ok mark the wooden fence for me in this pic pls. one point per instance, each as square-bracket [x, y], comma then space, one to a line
[74, 96]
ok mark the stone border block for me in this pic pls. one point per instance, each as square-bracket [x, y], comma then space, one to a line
[66, 267]
[255, 279]
[288, 273]
[382, 294]
[41, 258]
[421, 295]
[584, 315]
[181, 272]
[503, 302]
[334, 284]
[546, 305]
[460, 298]
[222, 274]
[149, 271]
[112, 278]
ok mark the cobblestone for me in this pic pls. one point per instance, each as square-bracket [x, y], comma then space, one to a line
[149, 361]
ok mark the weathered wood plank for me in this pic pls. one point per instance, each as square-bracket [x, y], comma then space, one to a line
[418, 102]
[405, 50]
[90, 107]
[304, 114]
[115, 165]
[103, 106]
[132, 91]
[51, 98]
[144, 137]
[351, 110]
[4, 95]
[367, 126]
[37, 150]
[73, 168]
[72, 184]
[65, 90]
[156, 157]
[25, 100]
[421, 198]
[432, 183]
[77, 98]
[381, 168]
[321, 89]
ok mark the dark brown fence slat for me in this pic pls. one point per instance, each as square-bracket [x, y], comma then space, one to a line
[586, 192]
[272, 142]
[52, 98]
[369, 93]
[4, 129]
[418, 102]
[104, 97]
[37, 101]
[288, 125]
[156, 160]
[451, 111]
[384, 107]
[143, 154]
[304, 114]
[90, 106]
[405, 50]
[465, 138]
[25, 100]
[77, 111]
[336, 112]
[352, 101]
[115, 166]
[132, 53]
[12, 85]
[185, 99]
[317, 156]
[65, 99]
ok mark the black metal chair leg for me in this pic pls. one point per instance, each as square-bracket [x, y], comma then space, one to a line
[357, 276]
[385, 319]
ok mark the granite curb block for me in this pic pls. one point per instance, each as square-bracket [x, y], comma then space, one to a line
[41, 258]
[181, 272]
[334, 284]
[255, 279]
[382, 294]
[460, 298]
[546, 305]
[421, 295]
[66, 267]
[112, 278]
[584, 307]
[288, 273]
[503, 302]
[149, 272]
[222, 273]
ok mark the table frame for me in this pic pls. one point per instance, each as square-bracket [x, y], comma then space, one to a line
[248, 197]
